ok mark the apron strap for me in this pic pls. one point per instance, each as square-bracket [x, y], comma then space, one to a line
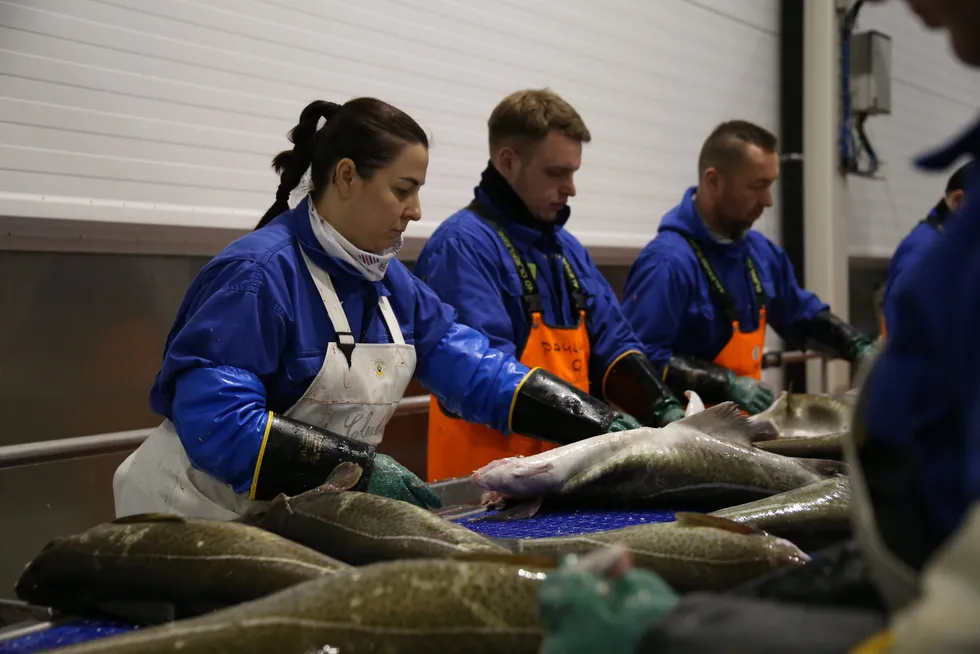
[335, 311]
[393, 327]
[531, 297]
[727, 303]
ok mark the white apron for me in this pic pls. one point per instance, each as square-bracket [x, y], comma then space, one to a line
[355, 401]
[895, 581]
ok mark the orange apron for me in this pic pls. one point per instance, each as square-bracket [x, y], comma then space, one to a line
[456, 448]
[743, 352]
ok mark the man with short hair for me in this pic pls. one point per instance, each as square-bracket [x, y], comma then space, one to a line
[920, 239]
[702, 292]
[513, 272]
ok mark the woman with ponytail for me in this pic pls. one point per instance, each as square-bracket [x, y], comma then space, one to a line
[294, 345]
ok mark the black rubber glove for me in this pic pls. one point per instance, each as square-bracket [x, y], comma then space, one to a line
[709, 380]
[632, 384]
[828, 333]
[298, 457]
[548, 408]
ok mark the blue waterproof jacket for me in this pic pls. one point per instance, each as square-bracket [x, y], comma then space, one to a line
[673, 308]
[467, 265]
[922, 399]
[252, 333]
[908, 253]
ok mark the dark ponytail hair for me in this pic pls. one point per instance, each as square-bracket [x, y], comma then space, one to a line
[369, 132]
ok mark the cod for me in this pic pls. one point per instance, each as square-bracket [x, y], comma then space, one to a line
[695, 553]
[158, 567]
[410, 607]
[812, 516]
[361, 528]
[706, 457]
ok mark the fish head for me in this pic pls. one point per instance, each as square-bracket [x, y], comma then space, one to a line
[785, 551]
[515, 474]
[482, 473]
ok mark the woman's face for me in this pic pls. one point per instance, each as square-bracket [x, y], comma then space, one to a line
[379, 209]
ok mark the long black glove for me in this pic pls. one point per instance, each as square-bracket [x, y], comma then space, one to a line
[297, 457]
[827, 333]
[716, 384]
[633, 384]
[548, 408]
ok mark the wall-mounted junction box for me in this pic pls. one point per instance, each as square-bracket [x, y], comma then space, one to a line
[871, 70]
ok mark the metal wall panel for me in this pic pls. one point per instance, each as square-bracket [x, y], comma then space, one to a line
[81, 340]
[45, 501]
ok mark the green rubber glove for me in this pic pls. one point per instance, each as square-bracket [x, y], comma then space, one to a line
[666, 412]
[391, 479]
[863, 351]
[750, 394]
[585, 610]
[624, 422]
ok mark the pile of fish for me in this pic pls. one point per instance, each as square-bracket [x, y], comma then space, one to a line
[333, 570]
[706, 457]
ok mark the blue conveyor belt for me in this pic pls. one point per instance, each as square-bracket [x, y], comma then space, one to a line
[63, 635]
[546, 523]
[565, 522]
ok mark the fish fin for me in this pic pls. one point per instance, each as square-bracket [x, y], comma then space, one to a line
[825, 467]
[537, 560]
[688, 519]
[148, 517]
[342, 478]
[694, 403]
[725, 422]
[517, 510]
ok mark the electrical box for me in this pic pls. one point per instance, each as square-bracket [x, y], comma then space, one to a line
[871, 73]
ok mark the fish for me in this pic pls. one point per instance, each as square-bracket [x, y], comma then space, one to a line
[802, 415]
[828, 446]
[410, 606]
[812, 516]
[702, 458]
[696, 552]
[159, 567]
[361, 528]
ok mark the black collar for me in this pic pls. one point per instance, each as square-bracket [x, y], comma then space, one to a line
[510, 205]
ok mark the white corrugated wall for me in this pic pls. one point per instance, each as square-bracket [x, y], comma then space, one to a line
[169, 111]
[933, 98]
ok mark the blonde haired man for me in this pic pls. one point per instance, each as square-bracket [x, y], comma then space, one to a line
[512, 272]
